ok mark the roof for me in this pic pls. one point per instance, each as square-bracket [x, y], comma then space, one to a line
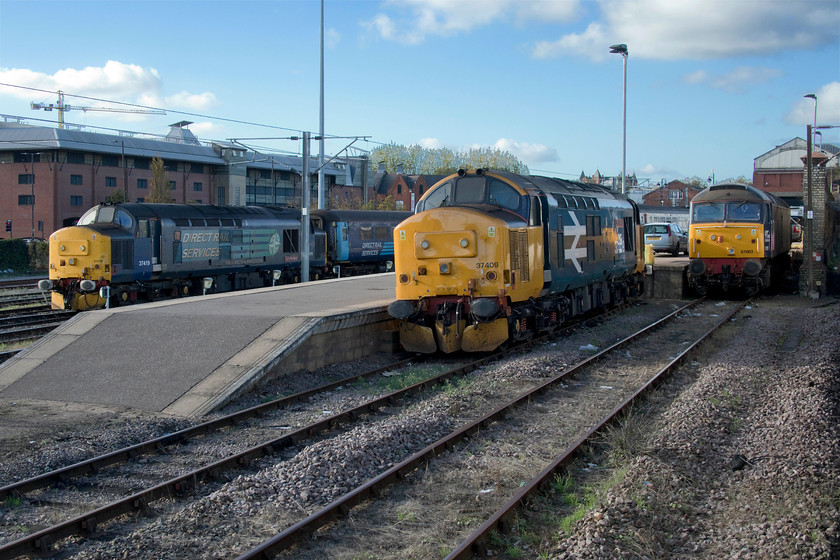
[181, 145]
[736, 191]
[44, 138]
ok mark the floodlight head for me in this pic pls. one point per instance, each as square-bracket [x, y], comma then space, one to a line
[811, 96]
[619, 49]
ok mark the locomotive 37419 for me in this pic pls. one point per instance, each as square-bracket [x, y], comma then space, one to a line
[143, 252]
[490, 256]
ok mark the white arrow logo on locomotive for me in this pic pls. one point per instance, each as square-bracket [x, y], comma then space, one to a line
[575, 252]
[274, 244]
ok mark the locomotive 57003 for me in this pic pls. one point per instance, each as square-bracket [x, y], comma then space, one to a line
[490, 256]
[739, 238]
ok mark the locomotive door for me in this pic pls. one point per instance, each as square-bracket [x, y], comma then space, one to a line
[342, 242]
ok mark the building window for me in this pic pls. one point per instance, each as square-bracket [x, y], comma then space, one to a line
[75, 157]
[110, 161]
[26, 179]
[198, 187]
[40, 225]
[170, 165]
[141, 163]
[171, 185]
[26, 157]
[142, 183]
[197, 168]
[76, 201]
[110, 181]
[75, 179]
[141, 199]
[399, 189]
[220, 195]
[26, 200]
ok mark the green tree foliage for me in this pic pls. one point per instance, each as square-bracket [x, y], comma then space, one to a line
[160, 191]
[19, 256]
[417, 160]
[116, 197]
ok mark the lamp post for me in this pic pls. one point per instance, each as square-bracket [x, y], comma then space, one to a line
[125, 172]
[814, 97]
[622, 50]
[32, 163]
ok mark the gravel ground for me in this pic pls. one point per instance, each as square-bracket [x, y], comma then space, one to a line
[745, 462]
[764, 397]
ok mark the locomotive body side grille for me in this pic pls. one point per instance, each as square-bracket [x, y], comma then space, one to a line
[122, 253]
[519, 257]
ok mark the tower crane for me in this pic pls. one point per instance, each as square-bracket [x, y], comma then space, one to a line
[61, 107]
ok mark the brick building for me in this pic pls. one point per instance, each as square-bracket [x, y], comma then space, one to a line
[50, 176]
[675, 194]
[781, 171]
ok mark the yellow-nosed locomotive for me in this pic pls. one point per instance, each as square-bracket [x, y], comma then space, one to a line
[490, 256]
[739, 238]
[144, 252]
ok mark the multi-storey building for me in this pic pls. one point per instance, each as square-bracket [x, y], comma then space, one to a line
[50, 176]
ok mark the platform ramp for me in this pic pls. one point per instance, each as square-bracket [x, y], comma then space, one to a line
[188, 357]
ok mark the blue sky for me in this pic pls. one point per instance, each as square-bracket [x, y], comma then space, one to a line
[710, 84]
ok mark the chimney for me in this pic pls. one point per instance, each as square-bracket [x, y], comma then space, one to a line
[381, 168]
[400, 169]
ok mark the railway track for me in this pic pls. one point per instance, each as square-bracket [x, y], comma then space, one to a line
[86, 514]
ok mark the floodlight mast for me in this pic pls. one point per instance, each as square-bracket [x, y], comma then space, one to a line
[622, 50]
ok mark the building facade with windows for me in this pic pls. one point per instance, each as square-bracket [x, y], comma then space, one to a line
[49, 176]
[675, 194]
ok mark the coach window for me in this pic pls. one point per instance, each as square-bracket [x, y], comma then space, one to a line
[381, 232]
[366, 233]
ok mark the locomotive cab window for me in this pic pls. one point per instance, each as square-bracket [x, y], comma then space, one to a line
[743, 211]
[707, 212]
[470, 191]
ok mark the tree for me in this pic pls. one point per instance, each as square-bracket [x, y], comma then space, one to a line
[160, 191]
[417, 160]
[116, 197]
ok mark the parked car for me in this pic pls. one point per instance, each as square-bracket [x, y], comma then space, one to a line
[666, 238]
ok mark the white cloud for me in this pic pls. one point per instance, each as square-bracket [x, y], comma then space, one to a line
[828, 107]
[331, 38]
[736, 80]
[531, 154]
[700, 29]
[412, 21]
[206, 129]
[115, 80]
[430, 143]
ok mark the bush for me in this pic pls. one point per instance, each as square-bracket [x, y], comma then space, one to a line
[19, 257]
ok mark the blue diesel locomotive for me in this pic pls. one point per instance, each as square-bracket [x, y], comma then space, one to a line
[144, 252]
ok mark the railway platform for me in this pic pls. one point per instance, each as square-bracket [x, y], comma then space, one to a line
[187, 357]
[190, 356]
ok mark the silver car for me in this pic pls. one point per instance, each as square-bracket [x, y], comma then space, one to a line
[666, 238]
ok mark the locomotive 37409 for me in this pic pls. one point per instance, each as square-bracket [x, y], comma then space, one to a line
[739, 238]
[490, 256]
[143, 252]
